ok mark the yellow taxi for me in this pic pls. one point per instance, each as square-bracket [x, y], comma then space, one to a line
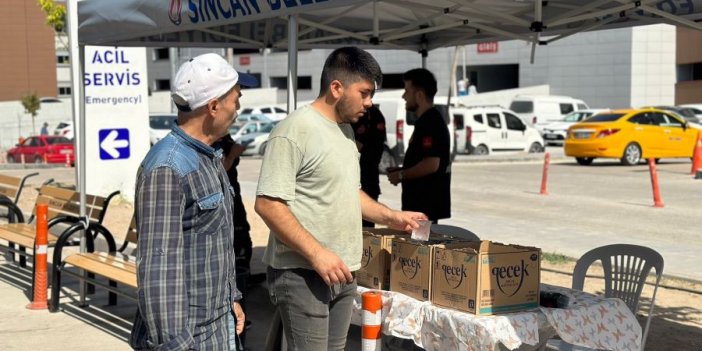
[630, 135]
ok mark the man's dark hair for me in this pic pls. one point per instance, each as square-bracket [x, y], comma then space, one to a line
[349, 65]
[423, 80]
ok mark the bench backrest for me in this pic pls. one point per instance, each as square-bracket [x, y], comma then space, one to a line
[66, 202]
[10, 186]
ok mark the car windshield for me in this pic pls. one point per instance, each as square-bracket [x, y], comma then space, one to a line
[267, 128]
[162, 122]
[58, 140]
[576, 116]
[234, 128]
[62, 125]
[522, 106]
[604, 117]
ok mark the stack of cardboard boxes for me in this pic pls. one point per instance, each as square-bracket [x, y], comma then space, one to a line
[477, 277]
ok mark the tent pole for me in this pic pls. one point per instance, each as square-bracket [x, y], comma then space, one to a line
[292, 63]
[77, 55]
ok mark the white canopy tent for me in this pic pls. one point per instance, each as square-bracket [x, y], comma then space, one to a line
[414, 25]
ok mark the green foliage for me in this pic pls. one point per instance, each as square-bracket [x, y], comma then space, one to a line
[31, 105]
[556, 258]
[55, 14]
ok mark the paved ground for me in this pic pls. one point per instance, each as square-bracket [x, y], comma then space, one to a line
[587, 207]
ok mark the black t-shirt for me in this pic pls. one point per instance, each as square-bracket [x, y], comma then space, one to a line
[370, 131]
[430, 194]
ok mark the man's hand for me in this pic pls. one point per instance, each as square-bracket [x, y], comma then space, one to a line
[240, 317]
[330, 267]
[237, 149]
[406, 220]
[394, 177]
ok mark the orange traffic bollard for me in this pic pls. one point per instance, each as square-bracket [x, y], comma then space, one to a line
[41, 246]
[697, 155]
[544, 176]
[68, 161]
[372, 304]
[657, 202]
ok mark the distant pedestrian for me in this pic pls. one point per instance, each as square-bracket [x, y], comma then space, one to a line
[44, 129]
[370, 136]
[426, 170]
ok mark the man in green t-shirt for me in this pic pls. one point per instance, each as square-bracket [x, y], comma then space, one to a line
[309, 196]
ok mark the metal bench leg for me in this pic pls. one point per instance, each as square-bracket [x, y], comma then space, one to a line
[112, 297]
[55, 289]
[10, 255]
[91, 287]
[23, 258]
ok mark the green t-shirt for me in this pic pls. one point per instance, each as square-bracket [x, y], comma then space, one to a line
[313, 165]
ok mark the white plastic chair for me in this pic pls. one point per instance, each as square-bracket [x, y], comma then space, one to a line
[626, 268]
[452, 230]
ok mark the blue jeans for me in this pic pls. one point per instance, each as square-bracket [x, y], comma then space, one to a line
[315, 316]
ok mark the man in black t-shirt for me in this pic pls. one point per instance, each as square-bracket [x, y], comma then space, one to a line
[426, 171]
[370, 136]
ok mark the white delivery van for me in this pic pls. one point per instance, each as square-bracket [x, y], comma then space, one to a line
[540, 110]
[481, 130]
[399, 123]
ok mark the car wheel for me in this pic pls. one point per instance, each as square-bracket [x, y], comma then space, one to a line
[585, 161]
[38, 159]
[632, 154]
[10, 159]
[535, 147]
[481, 150]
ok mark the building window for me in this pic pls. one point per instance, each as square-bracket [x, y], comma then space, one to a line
[63, 59]
[161, 54]
[303, 83]
[690, 71]
[163, 84]
[64, 91]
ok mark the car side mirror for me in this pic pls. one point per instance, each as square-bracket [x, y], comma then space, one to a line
[686, 125]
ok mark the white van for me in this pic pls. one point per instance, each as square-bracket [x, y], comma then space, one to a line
[481, 130]
[540, 110]
[399, 123]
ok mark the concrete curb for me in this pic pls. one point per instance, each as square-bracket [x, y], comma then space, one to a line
[520, 157]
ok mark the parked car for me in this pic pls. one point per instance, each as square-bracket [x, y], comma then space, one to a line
[684, 112]
[238, 130]
[696, 109]
[252, 142]
[64, 129]
[540, 110]
[42, 149]
[247, 117]
[482, 130]
[555, 133]
[631, 135]
[160, 125]
[273, 112]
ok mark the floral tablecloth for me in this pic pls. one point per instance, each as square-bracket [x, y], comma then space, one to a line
[589, 321]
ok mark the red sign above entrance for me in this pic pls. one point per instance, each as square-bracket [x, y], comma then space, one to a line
[490, 47]
[244, 60]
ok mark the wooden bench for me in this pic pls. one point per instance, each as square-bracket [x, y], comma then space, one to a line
[64, 211]
[115, 266]
[10, 191]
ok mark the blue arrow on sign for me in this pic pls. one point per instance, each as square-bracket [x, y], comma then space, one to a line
[114, 143]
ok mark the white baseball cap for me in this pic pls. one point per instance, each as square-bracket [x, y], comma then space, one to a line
[204, 78]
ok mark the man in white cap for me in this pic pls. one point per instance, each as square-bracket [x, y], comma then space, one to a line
[187, 294]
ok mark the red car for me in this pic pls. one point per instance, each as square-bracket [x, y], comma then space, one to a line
[42, 149]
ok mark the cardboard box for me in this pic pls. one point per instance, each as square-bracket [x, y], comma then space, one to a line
[486, 278]
[411, 267]
[375, 263]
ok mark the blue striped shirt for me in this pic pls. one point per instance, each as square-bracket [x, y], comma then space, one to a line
[185, 252]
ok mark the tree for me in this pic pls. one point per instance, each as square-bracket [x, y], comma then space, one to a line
[31, 105]
[55, 18]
